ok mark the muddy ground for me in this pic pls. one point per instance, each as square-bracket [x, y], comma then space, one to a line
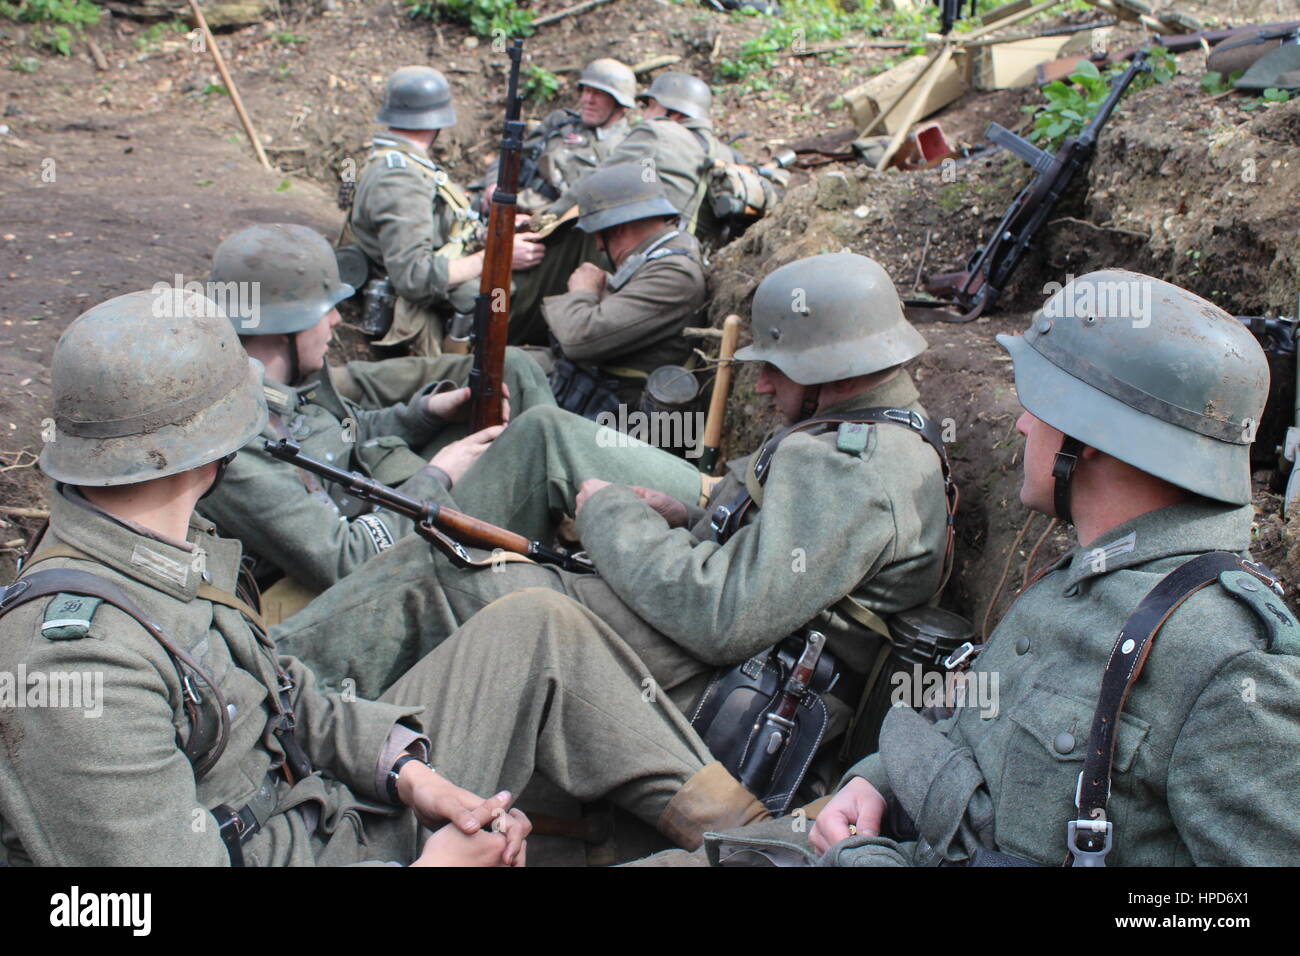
[114, 180]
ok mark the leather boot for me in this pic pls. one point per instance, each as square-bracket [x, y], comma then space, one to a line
[711, 800]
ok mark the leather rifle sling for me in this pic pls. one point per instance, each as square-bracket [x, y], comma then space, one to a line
[1091, 834]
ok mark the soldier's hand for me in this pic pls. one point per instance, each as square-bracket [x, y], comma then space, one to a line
[585, 490]
[668, 507]
[457, 457]
[588, 277]
[453, 406]
[449, 847]
[527, 252]
[858, 805]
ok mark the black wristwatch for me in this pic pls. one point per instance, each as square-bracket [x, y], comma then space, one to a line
[393, 773]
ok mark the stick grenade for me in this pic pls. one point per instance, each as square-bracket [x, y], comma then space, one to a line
[492, 307]
[721, 389]
[211, 41]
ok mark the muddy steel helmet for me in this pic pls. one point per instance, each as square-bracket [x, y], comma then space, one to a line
[682, 93]
[148, 385]
[417, 97]
[617, 194]
[1147, 373]
[276, 279]
[612, 77]
[830, 317]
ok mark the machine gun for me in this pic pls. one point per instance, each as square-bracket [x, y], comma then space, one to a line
[492, 307]
[449, 531]
[950, 13]
[989, 270]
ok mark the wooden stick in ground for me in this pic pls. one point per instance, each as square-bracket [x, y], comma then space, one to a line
[914, 112]
[211, 41]
[101, 63]
[9, 511]
[569, 12]
[721, 389]
[655, 62]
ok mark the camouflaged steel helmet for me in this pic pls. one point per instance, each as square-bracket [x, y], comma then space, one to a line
[417, 97]
[681, 92]
[830, 317]
[1150, 374]
[277, 279]
[612, 77]
[620, 193]
[147, 385]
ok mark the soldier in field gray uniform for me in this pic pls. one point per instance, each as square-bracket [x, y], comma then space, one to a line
[1137, 430]
[205, 745]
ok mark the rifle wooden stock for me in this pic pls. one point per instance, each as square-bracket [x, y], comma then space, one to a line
[479, 534]
[443, 527]
[492, 307]
[721, 389]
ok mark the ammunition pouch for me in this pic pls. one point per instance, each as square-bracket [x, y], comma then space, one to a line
[579, 390]
[729, 717]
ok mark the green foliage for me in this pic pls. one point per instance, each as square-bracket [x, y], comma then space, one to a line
[62, 21]
[282, 186]
[216, 88]
[1214, 83]
[806, 23]
[285, 38]
[1070, 105]
[487, 18]
[26, 64]
[540, 84]
[153, 36]
[1271, 97]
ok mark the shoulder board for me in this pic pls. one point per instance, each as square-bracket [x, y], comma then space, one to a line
[68, 616]
[1281, 625]
[852, 437]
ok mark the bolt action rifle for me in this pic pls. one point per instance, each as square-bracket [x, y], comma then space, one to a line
[989, 270]
[492, 307]
[445, 529]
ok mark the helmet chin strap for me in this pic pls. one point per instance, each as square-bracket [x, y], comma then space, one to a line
[1062, 473]
[295, 369]
[812, 395]
[222, 464]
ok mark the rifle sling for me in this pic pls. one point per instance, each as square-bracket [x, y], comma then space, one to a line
[1123, 667]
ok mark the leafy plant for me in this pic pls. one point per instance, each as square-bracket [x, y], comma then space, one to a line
[154, 36]
[217, 88]
[487, 18]
[1071, 105]
[1214, 83]
[285, 38]
[63, 20]
[539, 84]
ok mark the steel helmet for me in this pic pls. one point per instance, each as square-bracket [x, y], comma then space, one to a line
[682, 93]
[147, 385]
[620, 193]
[830, 317]
[612, 77]
[1147, 373]
[276, 278]
[417, 97]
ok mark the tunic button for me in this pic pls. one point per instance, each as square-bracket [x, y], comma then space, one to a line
[329, 456]
[1063, 743]
[231, 710]
[1071, 591]
[1022, 646]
